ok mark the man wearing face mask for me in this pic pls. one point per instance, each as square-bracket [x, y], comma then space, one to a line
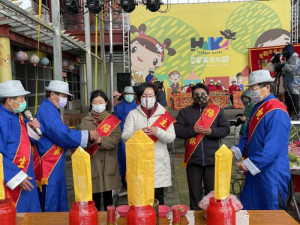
[15, 146]
[121, 112]
[57, 137]
[202, 125]
[263, 150]
[290, 81]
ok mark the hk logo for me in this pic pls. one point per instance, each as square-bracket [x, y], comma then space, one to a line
[213, 43]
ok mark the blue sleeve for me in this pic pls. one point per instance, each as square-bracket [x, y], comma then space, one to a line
[10, 169]
[118, 113]
[277, 130]
[56, 131]
[243, 141]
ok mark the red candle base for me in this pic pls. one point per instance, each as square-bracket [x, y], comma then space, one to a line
[141, 215]
[8, 212]
[83, 213]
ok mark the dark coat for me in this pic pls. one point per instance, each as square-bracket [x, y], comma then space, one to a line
[184, 128]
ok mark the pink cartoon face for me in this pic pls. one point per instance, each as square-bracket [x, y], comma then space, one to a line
[175, 78]
[143, 59]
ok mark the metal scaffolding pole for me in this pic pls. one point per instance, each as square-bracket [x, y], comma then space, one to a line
[111, 59]
[57, 52]
[126, 41]
[88, 51]
[294, 21]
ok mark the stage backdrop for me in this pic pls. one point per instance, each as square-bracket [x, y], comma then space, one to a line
[195, 41]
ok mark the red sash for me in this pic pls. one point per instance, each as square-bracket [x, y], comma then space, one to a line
[163, 122]
[37, 166]
[48, 162]
[104, 129]
[262, 110]
[21, 159]
[207, 118]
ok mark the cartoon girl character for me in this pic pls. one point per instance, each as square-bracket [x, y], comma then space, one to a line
[174, 77]
[146, 53]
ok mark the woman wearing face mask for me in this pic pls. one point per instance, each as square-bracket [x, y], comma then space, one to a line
[248, 106]
[104, 158]
[144, 117]
[121, 111]
[202, 125]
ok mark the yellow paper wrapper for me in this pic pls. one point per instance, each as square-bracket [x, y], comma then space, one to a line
[81, 166]
[2, 190]
[223, 168]
[140, 169]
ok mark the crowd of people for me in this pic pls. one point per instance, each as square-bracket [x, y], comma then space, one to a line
[34, 165]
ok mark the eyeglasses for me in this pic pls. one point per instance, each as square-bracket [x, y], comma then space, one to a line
[254, 89]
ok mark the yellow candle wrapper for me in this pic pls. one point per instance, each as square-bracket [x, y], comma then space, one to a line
[223, 168]
[81, 166]
[2, 190]
[140, 169]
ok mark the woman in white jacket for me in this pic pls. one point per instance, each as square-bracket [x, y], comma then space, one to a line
[142, 118]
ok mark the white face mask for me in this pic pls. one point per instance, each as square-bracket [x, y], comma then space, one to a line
[62, 102]
[254, 96]
[99, 108]
[151, 102]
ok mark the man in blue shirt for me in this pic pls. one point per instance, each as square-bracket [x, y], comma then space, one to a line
[263, 150]
[15, 146]
[150, 78]
[57, 137]
[121, 111]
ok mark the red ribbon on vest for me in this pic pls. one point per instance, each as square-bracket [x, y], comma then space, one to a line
[104, 129]
[207, 118]
[163, 122]
[260, 113]
[21, 159]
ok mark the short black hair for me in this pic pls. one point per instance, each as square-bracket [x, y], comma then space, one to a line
[99, 93]
[3, 99]
[49, 92]
[143, 87]
[271, 84]
[200, 85]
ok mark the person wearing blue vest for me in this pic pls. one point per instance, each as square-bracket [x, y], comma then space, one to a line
[150, 78]
[57, 137]
[15, 146]
[263, 150]
[121, 111]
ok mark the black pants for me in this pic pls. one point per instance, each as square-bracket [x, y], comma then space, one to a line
[107, 199]
[195, 176]
[289, 103]
[159, 195]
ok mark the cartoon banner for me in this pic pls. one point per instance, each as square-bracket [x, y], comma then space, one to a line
[192, 42]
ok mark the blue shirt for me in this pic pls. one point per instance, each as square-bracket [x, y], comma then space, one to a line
[267, 160]
[55, 132]
[10, 133]
[122, 110]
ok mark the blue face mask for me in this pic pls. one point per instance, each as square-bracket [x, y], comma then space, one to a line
[22, 107]
[129, 98]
